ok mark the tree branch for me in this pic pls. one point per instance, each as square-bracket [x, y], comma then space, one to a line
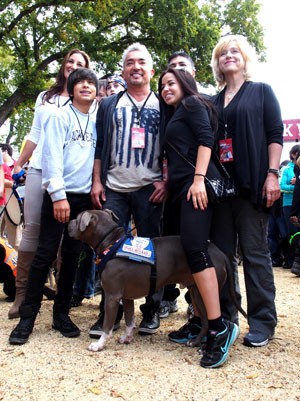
[24, 13]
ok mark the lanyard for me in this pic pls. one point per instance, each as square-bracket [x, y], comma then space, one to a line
[225, 123]
[139, 111]
[82, 133]
[58, 101]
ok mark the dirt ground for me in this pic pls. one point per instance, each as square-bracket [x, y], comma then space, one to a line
[51, 367]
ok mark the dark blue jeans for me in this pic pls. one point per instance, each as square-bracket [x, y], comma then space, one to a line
[278, 241]
[147, 220]
[86, 273]
[146, 215]
[52, 232]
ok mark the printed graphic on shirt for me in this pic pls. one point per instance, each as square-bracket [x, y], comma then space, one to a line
[125, 118]
[83, 137]
[131, 166]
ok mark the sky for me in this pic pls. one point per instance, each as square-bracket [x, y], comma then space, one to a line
[280, 20]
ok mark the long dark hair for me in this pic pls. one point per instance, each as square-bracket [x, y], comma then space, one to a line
[188, 85]
[58, 87]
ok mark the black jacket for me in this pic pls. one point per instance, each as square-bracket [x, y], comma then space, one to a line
[257, 124]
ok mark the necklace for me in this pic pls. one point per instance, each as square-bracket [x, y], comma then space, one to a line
[229, 95]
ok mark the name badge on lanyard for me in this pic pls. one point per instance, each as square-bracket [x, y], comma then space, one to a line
[138, 137]
[138, 133]
[226, 151]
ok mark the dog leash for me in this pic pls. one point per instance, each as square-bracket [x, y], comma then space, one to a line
[105, 257]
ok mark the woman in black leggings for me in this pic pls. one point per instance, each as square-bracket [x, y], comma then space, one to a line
[190, 122]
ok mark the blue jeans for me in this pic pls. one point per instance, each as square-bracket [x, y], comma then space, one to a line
[278, 240]
[85, 274]
[239, 219]
[147, 219]
[51, 233]
[146, 215]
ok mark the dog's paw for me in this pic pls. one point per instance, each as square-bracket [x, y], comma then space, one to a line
[125, 339]
[95, 347]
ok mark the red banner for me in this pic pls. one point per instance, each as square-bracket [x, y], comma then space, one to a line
[291, 130]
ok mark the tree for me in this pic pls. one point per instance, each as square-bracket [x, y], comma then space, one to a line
[36, 34]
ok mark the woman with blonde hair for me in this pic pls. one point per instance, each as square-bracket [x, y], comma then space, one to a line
[250, 131]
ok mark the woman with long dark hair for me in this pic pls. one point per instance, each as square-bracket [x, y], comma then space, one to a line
[190, 123]
[55, 97]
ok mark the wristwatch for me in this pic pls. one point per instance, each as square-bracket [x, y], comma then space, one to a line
[273, 171]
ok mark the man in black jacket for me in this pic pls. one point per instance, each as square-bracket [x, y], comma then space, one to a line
[127, 176]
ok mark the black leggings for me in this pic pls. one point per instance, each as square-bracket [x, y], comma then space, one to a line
[194, 232]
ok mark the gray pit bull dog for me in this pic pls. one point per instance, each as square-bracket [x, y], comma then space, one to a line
[128, 280]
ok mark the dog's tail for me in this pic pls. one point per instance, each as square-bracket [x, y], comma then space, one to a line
[231, 286]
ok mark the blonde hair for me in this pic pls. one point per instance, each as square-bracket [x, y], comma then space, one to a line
[247, 52]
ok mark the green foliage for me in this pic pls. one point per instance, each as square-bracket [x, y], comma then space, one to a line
[242, 16]
[36, 34]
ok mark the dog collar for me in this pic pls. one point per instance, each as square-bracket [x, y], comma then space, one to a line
[109, 253]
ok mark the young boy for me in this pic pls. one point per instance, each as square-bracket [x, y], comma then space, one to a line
[115, 84]
[68, 155]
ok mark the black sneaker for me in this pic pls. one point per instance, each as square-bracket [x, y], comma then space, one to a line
[164, 309]
[63, 323]
[167, 307]
[76, 301]
[295, 268]
[256, 339]
[218, 345]
[22, 331]
[173, 306]
[149, 324]
[188, 331]
[96, 330]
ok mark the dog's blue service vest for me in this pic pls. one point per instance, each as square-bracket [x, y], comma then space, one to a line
[139, 249]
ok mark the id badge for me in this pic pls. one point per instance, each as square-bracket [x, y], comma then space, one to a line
[225, 149]
[138, 137]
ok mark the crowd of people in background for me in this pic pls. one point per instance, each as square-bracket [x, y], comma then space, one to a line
[145, 154]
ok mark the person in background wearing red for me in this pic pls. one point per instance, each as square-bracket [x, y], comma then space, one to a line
[14, 232]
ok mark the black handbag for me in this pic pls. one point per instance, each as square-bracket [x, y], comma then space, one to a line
[219, 188]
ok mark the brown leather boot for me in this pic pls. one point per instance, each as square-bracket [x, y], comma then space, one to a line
[24, 262]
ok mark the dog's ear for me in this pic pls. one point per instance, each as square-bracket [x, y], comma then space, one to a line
[84, 220]
[112, 214]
